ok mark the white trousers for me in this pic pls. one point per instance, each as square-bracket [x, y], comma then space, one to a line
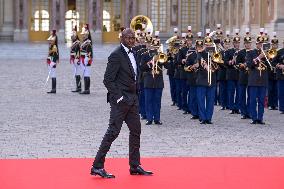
[52, 70]
[76, 67]
[86, 69]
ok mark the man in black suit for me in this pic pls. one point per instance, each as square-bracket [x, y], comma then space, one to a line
[121, 82]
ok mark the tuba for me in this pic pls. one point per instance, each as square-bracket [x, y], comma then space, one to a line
[142, 23]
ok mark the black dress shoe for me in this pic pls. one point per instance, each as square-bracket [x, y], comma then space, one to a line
[223, 108]
[202, 122]
[194, 117]
[232, 112]
[185, 112]
[244, 117]
[260, 122]
[101, 172]
[143, 117]
[85, 92]
[139, 171]
[149, 123]
[281, 112]
[237, 112]
[158, 122]
[51, 92]
[209, 122]
[173, 104]
[179, 109]
[253, 122]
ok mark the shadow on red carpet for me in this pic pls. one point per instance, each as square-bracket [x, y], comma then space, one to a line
[169, 173]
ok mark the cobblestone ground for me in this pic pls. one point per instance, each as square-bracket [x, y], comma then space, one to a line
[34, 124]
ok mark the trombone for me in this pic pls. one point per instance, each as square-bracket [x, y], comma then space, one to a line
[161, 58]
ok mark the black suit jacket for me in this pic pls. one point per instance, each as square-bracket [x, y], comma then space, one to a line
[119, 78]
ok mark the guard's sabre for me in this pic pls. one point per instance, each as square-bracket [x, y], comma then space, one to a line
[47, 78]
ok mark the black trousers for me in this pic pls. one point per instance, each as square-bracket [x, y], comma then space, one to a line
[130, 115]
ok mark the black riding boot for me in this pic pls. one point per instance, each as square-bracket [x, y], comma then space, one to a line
[78, 84]
[87, 85]
[53, 86]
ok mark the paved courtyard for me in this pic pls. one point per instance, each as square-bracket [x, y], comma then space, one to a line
[34, 124]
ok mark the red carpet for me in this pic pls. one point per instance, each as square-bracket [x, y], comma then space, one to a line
[170, 173]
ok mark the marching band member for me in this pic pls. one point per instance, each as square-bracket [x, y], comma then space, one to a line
[272, 81]
[243, 76]
[86, 56]
[220, 81]
[75, 58]
[279, 64]
[186, 46]
[177, 73]
[53, 59]
[206, 82]
[153, 82]
[191, 68]
[140, 49]
[257, 80]
[232, 74]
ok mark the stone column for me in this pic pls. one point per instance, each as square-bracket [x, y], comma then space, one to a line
[17, 31]
[278, 22]
[126, 13]
[134, 8]
[61, 31]
[91, 17]
[98, 32]
[7, 31]
[246, 22]
[53, 15]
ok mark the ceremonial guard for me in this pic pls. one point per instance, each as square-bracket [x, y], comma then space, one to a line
[272, 81]
[232, 73]
[86, 57]
[75, 58]
[206, 81]
[243, 76]
[191, 69]
[52, 60]
[257, 80]
[152, 66]
[279, 64]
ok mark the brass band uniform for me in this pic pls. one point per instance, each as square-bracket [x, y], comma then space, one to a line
[257, 80]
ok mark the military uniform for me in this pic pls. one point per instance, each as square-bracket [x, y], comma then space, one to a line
[191, 82]
[170, 73]
[139, 51]
[280, 78]
[153, 86]
[52, 60]
[205, 91]
[243, 84]
[222, 83]
[257, 82]
[86, 58]
[183, 79]
[232, 80]
[75, 59]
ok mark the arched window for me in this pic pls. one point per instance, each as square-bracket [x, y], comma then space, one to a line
[72, 19]
[106, 21]
[41, 20]
[159, 14]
